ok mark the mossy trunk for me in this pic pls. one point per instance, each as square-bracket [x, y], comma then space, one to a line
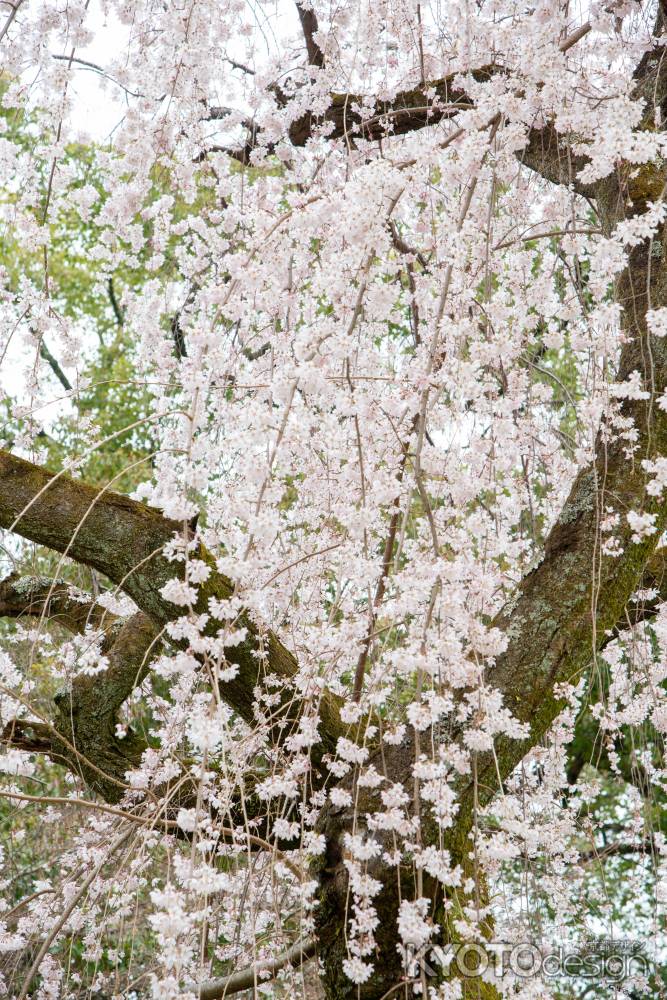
[397, 883]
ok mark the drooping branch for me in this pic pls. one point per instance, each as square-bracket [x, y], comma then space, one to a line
[591, 744]
[99, 70]
[69, 908]
[563, 612]
[558, 620]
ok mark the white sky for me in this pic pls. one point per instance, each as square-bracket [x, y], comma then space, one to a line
[99, 109]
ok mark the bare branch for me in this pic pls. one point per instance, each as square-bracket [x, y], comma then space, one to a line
[8, 23]
[237, 65]
[261, 972]
[55, 600]
[95, 68]
[45, 353]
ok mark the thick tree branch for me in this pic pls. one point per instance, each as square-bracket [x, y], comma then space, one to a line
[409, 111]
[310, 27]
[546, 152]
[54, 600]
[124, 540]
[82, 735]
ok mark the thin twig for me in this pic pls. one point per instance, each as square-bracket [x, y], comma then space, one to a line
[86, 64]
[67, 912]
[8, 22]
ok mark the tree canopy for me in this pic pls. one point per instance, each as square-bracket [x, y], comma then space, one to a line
[333, 610]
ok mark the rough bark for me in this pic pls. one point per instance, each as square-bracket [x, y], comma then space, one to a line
[54, 600]
[124, 540]
[82, 733]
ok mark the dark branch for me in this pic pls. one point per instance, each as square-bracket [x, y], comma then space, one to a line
[237, 65]
[547, 153]
[45, 353]
[310, 27]
[115, 305]
[409, 111]
[54, 600]
[99, 70]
